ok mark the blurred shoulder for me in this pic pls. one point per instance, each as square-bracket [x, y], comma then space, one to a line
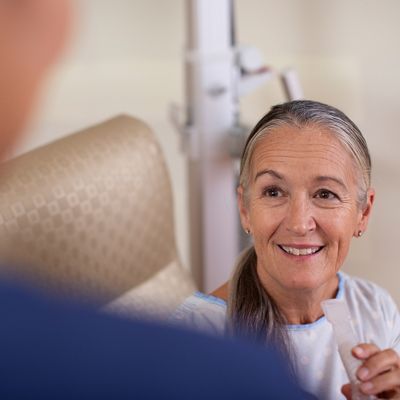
[374, 312]
[362, 289]
[201, 312]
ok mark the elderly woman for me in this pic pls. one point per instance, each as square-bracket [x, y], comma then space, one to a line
[304, 193]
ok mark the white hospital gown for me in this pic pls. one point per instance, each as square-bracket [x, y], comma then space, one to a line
[375, 317]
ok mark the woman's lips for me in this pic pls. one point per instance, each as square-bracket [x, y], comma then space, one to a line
[300, 250]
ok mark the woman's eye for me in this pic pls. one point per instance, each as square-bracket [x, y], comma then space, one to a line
[326, 195]
[272, 192]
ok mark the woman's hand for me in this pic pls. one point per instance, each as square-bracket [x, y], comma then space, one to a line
[379, 373]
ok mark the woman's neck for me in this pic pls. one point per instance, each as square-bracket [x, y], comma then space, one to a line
[301, 306]
[298, 306]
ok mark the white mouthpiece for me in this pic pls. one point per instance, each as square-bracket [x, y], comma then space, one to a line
[337, 313]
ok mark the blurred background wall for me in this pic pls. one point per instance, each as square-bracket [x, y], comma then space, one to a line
[126, 56]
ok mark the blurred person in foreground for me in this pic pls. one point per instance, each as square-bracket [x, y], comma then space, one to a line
[304, 194]
[51, 350]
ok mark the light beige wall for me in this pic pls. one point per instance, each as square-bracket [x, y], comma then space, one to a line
[126, 57]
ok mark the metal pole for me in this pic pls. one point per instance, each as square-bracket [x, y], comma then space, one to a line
[211, 109]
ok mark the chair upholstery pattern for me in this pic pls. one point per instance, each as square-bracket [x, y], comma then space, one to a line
[91, 215]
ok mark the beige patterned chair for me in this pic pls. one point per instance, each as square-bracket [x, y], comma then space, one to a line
[90, 216]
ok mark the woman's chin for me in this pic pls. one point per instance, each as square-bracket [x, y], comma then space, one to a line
[308, 281]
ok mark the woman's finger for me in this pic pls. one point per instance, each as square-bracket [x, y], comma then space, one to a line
[365, 350]
[378, 363]
[386, 382]
[346, 391]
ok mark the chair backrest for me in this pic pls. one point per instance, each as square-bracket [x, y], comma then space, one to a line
[91, 216]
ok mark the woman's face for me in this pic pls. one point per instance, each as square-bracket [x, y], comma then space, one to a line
[301, 207]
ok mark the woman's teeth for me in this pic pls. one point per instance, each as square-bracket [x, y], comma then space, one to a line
[300, 252]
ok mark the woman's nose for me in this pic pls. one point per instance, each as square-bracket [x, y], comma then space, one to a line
[300, 219]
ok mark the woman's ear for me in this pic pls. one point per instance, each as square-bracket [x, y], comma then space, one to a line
[243, 211]
[365, 212]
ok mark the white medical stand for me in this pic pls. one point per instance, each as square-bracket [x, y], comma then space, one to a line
[216, 74]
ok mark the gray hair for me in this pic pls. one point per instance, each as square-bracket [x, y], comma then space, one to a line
[251, 310]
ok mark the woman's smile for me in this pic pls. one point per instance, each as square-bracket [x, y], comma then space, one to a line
[303, 251]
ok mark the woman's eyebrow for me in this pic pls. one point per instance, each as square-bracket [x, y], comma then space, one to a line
[321, 179]
[268, 171]
[324, 178]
